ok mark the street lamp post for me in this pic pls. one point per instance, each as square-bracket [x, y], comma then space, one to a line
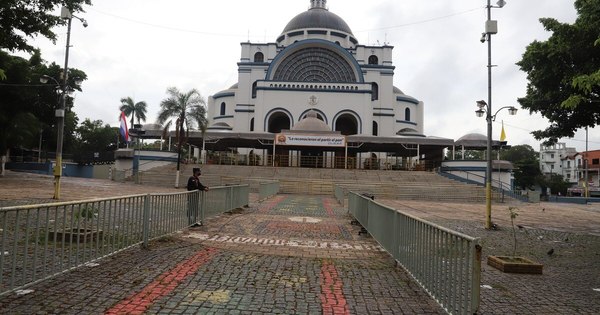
[60, 112]
[491, 27]
[485, 108]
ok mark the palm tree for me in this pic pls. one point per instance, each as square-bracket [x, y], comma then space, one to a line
[133, 109]
[184, 107]
[199, 116]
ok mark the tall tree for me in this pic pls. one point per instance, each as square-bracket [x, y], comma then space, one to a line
[135, 110]
[198, 114]
[564, 74]
[527, 168]
[26, 108]
[182, 106]
[95, 136]
[23, 19]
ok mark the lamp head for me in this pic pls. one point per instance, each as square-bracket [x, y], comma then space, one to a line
[501, 3]
[44, 79]
[512, 110]
[479, 112]
[483, 37]
[481, 104]
[78, 80]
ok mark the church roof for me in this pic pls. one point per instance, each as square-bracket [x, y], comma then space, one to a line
[318, 17]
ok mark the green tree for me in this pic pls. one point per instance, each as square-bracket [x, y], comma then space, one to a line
[183, 107]
[135, 110]
[95, 136]
[24, 19]
[556, 183]
[564, 74]
[525, 160]
[26, 107]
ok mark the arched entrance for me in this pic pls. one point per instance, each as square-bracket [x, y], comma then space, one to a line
[278, 121]
[347, 124]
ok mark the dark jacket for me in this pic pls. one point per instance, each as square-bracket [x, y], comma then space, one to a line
[195, 184]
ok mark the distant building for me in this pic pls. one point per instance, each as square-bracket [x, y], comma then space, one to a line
[559, 159]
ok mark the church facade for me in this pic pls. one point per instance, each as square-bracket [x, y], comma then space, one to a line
[316, 65]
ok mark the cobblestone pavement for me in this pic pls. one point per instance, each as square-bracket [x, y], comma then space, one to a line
[570, 283]
[287, 255]
[294, 254]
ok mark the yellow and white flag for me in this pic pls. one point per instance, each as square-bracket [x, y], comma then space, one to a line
[502, 133]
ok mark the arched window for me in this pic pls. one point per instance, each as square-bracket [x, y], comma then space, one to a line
[254, 89]
[252, 124]
[259, 57]
[407, 114]
[373, 60]
[223, 109]
[375, 128]
[375, 91]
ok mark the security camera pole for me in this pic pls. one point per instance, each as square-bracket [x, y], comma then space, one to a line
[491, 27]
[60, 112]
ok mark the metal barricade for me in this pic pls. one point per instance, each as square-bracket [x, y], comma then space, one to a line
[38, 242]
[446, 263]
[339, 194]
[268, 189]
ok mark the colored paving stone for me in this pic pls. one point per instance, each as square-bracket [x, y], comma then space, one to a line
[303, 230]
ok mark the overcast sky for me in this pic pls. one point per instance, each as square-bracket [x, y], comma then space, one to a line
[138, 48]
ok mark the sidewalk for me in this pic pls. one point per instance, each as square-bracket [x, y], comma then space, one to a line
[300, 255]
[288, 255]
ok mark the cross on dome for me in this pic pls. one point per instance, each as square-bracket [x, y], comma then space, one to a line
[315, 4]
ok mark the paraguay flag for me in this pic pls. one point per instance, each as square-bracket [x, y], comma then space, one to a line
[123, 127]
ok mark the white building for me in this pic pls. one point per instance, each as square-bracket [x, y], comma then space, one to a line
[558, 159]
[317, 66]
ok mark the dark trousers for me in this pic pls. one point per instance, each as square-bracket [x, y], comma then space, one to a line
[193, 210]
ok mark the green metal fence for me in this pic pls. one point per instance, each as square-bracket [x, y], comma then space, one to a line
[268, 189]
[447, 264]
[340, 194]
[38, 242]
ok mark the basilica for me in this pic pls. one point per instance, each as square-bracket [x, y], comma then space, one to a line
[317, 71]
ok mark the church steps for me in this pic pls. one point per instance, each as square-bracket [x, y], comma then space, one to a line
[383, 184]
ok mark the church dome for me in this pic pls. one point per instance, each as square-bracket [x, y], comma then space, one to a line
[318, 17]
[311, 123]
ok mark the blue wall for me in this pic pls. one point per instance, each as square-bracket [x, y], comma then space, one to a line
[70, 170]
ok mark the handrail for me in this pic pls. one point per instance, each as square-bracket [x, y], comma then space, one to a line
[446, 263]
[38, 242]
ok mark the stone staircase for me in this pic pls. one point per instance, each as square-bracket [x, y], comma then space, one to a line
[401, 185]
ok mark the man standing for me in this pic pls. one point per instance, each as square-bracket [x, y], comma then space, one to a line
[193, 199]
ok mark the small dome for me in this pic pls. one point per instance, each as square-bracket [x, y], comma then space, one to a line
[311, 123]
[234, 87]
[317, 17]
[473, 137]
[398, 91]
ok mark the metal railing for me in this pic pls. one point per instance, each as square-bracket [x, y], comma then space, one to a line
[447, 264]
[38, 242]
[268, 189]
[340, 194]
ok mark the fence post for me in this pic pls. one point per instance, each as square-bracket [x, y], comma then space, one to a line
[146, 221]
[230, 190]
[202, 205]
[475, 286]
